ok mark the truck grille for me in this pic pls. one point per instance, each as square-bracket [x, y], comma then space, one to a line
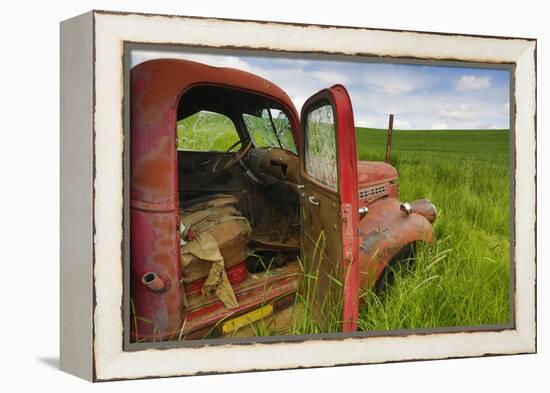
[372, 192]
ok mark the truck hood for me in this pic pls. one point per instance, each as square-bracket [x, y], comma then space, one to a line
[374, 172]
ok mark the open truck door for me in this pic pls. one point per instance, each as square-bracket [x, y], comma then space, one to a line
[329, 204]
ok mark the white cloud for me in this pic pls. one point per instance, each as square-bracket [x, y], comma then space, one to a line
[389, 79]
[472, 82]
[298, 102]
[402, 124]
[330, 78]
[390, 85]
[439, 126]
[460, 112]
[363, 123]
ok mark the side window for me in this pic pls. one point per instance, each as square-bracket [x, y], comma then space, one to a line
[206, 131]
[320, 147]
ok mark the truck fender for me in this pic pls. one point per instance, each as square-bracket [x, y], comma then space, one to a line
[385, 231]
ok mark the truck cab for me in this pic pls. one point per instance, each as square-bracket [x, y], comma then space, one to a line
[283, 195]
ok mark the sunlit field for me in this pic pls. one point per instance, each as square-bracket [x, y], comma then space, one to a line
[464, 278]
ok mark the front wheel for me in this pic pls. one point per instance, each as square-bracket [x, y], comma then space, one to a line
[403, 259]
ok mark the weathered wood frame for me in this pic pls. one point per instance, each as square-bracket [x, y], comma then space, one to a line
[94, 170]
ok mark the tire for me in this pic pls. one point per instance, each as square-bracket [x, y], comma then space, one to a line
[403, 259]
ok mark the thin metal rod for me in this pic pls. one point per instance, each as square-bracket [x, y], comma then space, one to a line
[388, 143]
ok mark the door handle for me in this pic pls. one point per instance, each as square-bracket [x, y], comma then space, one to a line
[313, 200]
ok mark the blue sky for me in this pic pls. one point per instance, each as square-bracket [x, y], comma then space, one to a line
[420, 96]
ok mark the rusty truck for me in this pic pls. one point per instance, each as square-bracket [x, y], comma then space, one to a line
[204, 138]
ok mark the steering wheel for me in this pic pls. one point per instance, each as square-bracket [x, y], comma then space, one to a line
[218, 168]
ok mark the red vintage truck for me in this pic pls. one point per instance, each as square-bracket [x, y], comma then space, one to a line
[311, 208]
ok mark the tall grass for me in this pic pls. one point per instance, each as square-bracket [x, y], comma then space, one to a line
[464, 278]
[318, 312]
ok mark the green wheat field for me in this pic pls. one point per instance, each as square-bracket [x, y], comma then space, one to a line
[464, 278]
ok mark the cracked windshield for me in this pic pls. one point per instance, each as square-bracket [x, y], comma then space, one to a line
[271, 128]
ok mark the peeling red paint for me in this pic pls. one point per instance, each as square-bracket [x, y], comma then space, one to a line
[383, 233]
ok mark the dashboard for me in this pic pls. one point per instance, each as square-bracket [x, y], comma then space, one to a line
[273, 166]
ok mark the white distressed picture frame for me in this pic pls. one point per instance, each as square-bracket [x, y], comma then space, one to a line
[92, 195]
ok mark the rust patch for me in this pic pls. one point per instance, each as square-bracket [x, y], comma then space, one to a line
[387, 231]
[153, 171]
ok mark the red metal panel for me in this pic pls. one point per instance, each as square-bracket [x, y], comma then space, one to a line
[347, 166]
[374, 172]
[267, 289]
[156, 313]
[154, 211]
[346, 196]
[383, 233]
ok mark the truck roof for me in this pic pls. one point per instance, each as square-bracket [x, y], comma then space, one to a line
[169, 78]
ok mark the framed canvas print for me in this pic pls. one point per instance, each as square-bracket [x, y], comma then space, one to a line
[247, 195]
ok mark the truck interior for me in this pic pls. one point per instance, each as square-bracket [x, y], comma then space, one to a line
[236, 149]
[238, 143]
